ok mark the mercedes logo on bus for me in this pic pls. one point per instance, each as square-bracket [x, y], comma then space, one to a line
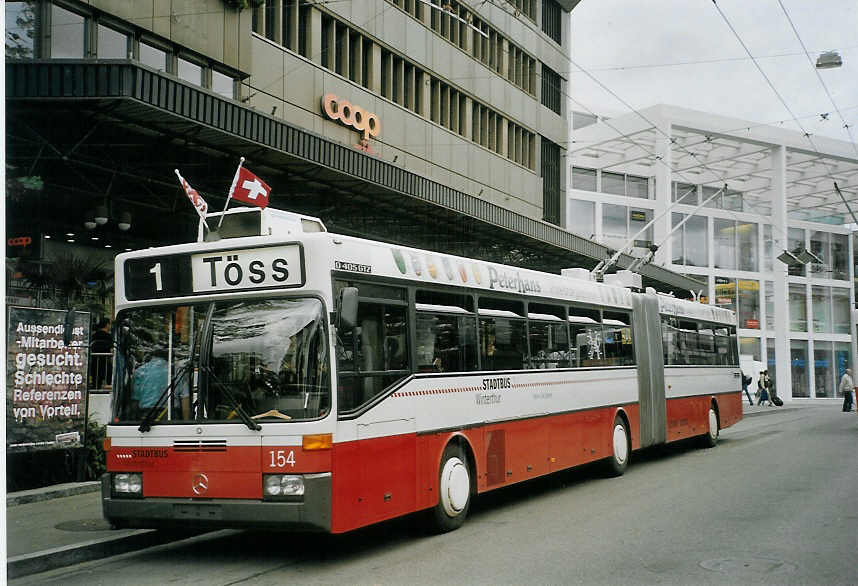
[200, 484]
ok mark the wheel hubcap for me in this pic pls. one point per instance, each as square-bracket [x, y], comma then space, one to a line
[713, 423]
[455, 486]
[621, 445]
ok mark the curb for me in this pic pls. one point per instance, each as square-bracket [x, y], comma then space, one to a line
[57, 491]
[771, 411]
[60, 557]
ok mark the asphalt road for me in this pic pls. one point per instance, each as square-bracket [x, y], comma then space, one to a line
[776, 502]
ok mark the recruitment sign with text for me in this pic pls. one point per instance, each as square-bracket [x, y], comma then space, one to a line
[45, 379]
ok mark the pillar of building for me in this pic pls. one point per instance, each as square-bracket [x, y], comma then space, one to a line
[314, 35]
[663, 182]
[783, 375]
[374, 65]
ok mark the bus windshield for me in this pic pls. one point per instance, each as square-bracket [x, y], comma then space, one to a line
[264, 360]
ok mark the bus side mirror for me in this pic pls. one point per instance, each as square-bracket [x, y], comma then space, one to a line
[347, 310]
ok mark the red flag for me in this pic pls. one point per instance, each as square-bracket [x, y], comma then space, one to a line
[196, 199]
[248, 188]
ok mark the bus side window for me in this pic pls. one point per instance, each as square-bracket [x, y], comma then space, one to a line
[372, 356]
[585, 334]
[617, 336]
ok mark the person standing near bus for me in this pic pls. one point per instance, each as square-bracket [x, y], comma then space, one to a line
[763, 387]
[746, 380]
[846, 386]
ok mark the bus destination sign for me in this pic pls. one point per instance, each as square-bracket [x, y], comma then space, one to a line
[253, 268]
[221, 271]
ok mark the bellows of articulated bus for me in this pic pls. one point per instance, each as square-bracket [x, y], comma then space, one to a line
[244, 222]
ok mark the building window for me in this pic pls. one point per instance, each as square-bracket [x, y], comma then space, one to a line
[551, 193]
[21, 29]
[770, 305]
[619, 223]
[842, 354]
[820, 298]
[840, 310]
[797, 308]
[684, 193]
[840, 257]
[823, 373]
[749, 304]
[550, 89]
[750, 347]
[551, 20]
[795, 243]
[153, 57]
[112, 44]
[67, 34]
[629, 185]
[581, 218]
[736, 245]
[798, 368]
[223, 84]
[691, 241]
[768, 248]
[190, 72]
[583, 179]
[725, 293]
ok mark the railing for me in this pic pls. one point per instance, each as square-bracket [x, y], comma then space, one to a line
[100, 371]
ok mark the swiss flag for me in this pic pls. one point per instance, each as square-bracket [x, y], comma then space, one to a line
[248, 188]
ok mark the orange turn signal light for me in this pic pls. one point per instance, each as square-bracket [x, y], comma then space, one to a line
[107, 444]
[319, 441]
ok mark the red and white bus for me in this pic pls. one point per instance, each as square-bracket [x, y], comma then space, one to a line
[283, 376]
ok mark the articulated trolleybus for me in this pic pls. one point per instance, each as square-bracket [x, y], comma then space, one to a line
[285, 377]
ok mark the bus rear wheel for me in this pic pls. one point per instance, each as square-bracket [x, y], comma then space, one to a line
[621, 450]
[454, 491]
[710, 438]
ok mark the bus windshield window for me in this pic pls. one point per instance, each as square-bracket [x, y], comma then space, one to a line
[268, 358]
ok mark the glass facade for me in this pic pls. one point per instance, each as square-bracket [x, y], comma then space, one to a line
[691, 240]
[112, 44]
[67, 34]
[749, 304]
[581, 217]
[797, 308]
[750, 347]
[823, 371]
[798, 368]
[842, 361]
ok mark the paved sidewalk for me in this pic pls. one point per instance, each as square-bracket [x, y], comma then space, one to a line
[62, 525]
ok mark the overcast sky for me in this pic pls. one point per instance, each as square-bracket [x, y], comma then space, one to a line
[682, 52]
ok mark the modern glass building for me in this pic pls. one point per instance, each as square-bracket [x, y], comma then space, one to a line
[729, 197]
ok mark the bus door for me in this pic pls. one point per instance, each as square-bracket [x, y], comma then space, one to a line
[650, 361]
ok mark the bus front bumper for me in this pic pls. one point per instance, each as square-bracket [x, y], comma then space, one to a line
[311, 514]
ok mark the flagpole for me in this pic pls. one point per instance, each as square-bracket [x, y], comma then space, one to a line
[229, 195]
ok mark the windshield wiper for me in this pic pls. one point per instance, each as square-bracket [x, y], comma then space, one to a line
[149, 418]
[248, 421]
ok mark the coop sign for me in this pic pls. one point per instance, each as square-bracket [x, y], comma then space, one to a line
[46, 378]
[349, 114]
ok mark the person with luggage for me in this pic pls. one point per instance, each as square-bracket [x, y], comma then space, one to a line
[773, 396]
[763, 389]
[746, 380]
[846, 386]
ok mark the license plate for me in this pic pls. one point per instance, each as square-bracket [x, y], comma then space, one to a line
[197, 511]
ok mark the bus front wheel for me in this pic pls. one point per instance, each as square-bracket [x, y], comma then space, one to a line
[621, 450]
[710, 438]
[454, 491]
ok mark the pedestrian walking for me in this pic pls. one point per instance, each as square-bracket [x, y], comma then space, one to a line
[763, 389]
[846, 386]
[746, 380]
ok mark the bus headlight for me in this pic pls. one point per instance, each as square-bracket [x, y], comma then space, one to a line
[282, 486]
[128, 484]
